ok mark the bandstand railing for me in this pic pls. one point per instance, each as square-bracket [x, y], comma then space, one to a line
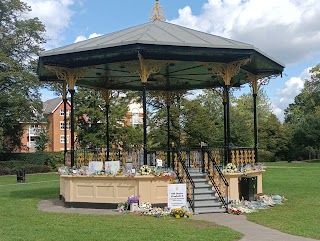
[242, 156]
[125, 155]
[212, 165]
[183, 175]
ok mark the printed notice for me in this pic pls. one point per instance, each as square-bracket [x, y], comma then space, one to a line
[177, 195]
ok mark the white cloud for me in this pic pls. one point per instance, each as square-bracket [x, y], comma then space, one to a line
[81, 37]
[55, 15]
[286, 95]
[287, 30]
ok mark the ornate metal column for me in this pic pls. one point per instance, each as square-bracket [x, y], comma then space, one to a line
[144, 68]
[144, 100]
[225, 120]
[226, 71]
[255, 117]
[64, 98]
[169, 100]
[106, 97]
[72, 91]
[70, 76]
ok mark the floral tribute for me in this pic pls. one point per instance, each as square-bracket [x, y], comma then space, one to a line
[133, 199]
[231, 168]
[261, 201]
[244, 168]
[145, 170]
[146, 209]
[180, 212]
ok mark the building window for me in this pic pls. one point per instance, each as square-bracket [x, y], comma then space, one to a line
[136, 120]
[62, 138]
[62, 112]
[62, 125]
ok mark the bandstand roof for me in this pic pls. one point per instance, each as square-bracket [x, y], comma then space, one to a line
[186, 52]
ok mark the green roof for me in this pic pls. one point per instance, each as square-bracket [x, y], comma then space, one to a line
[109, 57]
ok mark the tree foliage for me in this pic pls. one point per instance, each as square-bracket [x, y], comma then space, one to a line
[20, 40]
[91, 120]
[303, 117]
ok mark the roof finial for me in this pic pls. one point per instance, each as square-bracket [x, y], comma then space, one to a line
[157, 13]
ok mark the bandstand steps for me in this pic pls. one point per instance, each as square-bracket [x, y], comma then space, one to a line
[205, 200]
[209, 210]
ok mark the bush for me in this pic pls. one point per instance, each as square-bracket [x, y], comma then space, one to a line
[266, 156]
[28, 168]
[38, 158]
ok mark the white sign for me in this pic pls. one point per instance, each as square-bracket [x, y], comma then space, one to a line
[177, 195]
[159, 163]
[112, 167]
[95, 166]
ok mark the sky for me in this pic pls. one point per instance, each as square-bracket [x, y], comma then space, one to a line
[287, 30]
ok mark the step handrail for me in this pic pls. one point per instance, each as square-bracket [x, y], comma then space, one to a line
[185, 169]
[223, 178]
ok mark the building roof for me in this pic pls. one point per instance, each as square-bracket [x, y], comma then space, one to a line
[155, 32]
[51, 105]
[110, 58]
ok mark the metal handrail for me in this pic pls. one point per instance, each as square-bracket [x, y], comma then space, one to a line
[223, 178]
[191, 201]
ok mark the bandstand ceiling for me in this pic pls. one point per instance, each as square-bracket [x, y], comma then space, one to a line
[183, 55]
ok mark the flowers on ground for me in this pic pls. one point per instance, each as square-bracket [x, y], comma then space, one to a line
[262, 202]
[145, 206]
[133, 199]
[181, 212]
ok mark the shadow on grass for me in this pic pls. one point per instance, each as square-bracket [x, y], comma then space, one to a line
[36, 193]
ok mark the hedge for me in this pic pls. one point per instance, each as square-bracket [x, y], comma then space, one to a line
[28, 169]
[37, 162]
[37, 158]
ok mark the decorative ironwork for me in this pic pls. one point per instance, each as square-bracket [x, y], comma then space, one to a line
[256, 81]
[144, 68]
[226, 70]
[175, 162]
[134, 155]
[80, 159]
[206, 161]
[195, 159]
[113, 155]
[69, 75]
[161, 155]
[217, 179]
[106, 95]
[157, 13]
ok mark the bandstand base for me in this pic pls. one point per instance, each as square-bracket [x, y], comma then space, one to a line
[108, 192]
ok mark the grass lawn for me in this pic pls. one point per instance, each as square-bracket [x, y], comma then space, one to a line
[300, 184]
[20, 219]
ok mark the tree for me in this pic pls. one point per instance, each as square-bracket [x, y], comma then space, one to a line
[203, 119]
[91, 120]
[302, 118]
[42, 139]
[20, 40]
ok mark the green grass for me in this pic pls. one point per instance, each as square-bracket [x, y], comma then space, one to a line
[21, 220]
[300, 184]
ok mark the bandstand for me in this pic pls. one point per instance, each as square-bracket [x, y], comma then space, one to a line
[160, 56]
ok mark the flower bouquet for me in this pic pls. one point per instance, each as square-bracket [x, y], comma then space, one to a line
[133, 199]
[145, 206]
[231, 168]
[235, 211]
[177, 212]
[145, 170]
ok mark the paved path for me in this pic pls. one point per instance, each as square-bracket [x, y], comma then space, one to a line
[251, 231]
